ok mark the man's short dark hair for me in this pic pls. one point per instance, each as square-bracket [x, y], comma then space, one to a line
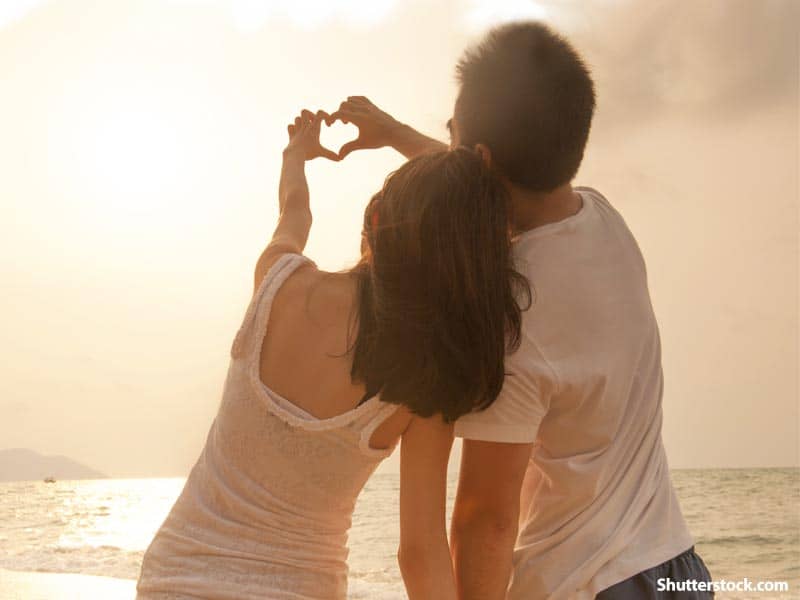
[527, 95]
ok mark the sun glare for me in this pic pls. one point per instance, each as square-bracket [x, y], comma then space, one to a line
[250, 15]
[484, 13]
[132, 157]
[131, 154]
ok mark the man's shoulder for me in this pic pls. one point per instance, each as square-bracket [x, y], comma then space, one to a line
[545, 243]
[602, 203]
[593, 193]
[586, 188]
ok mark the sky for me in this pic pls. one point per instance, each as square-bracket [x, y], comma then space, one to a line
[139, 157]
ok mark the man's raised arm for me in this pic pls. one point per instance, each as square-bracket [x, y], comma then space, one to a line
[486, 516]
[378, 129]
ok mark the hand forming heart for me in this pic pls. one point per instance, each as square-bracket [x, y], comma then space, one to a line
[304, 137]
[375, 129]
[337, 134]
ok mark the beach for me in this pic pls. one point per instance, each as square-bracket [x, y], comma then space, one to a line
[85, 539]
[26, 585]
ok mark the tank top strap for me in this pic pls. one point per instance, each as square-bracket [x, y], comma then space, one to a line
[281, 269]
[362, 420]
[369, 422]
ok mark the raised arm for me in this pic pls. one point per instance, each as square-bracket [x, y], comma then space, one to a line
[294, 220]
[377, 129]
[485, 517]
[424, 555]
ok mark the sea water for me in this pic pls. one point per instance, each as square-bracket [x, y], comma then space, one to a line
[746, 523]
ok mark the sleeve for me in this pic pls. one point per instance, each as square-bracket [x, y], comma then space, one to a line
[514, 417]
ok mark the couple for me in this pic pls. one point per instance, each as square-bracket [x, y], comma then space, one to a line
[492, 301]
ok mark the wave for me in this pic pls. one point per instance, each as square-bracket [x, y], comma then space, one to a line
[740, 540]
[357, 589]
[107, 561]
[111, 561]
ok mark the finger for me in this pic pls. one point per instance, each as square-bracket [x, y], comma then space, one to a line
[300, 125]
[352, 107]
[348, 148]
[358, 99]
[307, 115]
[324, 117]
[321, 117]
[291, 129]
[329, 154]
[346, 116]
[338, 116]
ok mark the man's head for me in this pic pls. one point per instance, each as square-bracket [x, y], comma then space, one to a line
[528, 98]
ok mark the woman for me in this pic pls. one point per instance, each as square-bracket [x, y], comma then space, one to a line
[329, 370]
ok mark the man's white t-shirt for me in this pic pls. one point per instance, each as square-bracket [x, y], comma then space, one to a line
[585, 386]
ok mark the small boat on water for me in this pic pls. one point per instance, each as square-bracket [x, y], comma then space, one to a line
[50, 479]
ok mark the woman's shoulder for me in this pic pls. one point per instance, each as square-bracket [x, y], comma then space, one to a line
[324, 299]
[273, 258]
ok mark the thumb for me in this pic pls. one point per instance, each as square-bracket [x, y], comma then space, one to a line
[349, 147]
[329, 154]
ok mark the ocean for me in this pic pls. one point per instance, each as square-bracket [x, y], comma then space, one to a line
[746, 523]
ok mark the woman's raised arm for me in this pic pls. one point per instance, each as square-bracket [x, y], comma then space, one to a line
[294, 221]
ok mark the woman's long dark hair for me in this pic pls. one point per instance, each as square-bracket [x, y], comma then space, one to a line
[437, 292]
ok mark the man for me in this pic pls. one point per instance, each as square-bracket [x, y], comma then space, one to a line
[568, 463]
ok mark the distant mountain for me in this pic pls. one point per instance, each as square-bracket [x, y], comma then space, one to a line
[22, 464]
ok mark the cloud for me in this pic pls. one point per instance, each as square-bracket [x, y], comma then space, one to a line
[252, 15]
[12, 11]
[705, 57]
[484, 13]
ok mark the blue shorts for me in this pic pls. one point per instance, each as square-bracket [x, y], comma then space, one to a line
[664, 581]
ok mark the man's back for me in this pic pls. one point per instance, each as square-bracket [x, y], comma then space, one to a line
[597, 505]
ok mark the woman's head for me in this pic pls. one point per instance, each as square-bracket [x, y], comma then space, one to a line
[437, 306]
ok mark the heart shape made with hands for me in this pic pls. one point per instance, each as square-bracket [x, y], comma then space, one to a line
[336, 135]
